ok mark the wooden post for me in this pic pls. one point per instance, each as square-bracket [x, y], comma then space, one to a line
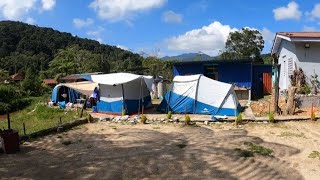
[9, 122]
[24, 129]
[276, 88]
[83, 107]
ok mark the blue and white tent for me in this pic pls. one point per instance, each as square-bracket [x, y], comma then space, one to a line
[198, 94]
[122, 91]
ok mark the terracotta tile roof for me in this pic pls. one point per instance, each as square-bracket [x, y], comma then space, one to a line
[300, 34]
[49, 81]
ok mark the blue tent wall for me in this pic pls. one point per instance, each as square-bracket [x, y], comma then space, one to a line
[73, 95]
[131, 106]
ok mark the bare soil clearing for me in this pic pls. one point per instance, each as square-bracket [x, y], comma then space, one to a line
[156, 151]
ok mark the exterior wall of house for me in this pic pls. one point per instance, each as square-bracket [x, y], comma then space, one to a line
[287, 59]
[308, 58]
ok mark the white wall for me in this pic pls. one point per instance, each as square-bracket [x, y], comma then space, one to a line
[308, 58]
[286, 53]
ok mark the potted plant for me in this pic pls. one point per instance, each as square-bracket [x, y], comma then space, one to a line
[9, 139]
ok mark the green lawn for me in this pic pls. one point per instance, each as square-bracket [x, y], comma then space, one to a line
[38, 117]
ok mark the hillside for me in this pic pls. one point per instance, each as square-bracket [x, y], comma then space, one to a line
[25, 46]
[188, 57]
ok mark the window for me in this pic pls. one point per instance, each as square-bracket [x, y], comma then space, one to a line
[211, 71]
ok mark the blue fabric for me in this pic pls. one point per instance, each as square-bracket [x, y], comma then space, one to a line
[62, 104]
[131, 106]
[54, 95]
[110, 107]
[86, 77]
[73, 95]
[182, 104]
[188, 69]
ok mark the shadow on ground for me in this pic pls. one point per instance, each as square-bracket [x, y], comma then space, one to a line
[129, 152]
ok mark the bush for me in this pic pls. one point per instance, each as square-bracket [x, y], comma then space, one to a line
[143, 119]
[313, 116]
[271, 117]
[305, 89]
[239, 119]
[11, 99]
[124, 112]
[169, 115]
[187, 119]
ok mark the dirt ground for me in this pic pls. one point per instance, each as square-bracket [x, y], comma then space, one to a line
[172, 151]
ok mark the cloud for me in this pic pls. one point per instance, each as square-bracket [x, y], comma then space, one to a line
[209, 39]
[315, 13]
[123, 47]
[267, 35]
[100, 40]
[171, 17]
[30, 20]
[96, 32]
[80, 23]
[48, 5]
[123, 9]
[16, 9]
[290, 12]
[309, 29]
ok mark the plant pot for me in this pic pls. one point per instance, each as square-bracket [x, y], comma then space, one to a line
[10, 141]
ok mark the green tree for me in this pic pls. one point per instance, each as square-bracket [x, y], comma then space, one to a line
[244, 44]
[31, 83]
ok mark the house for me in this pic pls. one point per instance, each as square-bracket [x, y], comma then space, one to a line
[50, 82]
[17, 77]
[296, 50]
[246, 76]
[72, 78]
[78, 77]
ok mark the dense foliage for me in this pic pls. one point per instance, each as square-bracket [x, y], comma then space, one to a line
[244, 44]
[11, 99]
[24, 46]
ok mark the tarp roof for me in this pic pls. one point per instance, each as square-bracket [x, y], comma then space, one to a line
[115, 78]
[84, 87]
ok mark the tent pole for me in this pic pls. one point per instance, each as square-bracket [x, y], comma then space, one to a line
[123, 100]
[196, 96]
[168, 103]
[140, 98]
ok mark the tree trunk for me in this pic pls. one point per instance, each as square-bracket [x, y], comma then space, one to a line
[291, 101]
[276, 88]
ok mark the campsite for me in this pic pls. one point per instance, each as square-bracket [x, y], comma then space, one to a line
[159, 89]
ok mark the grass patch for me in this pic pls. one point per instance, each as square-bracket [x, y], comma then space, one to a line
[314, 154]
[257, 149]
[252, 149]
[156, 127]
[38, 117]
[291, 134]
